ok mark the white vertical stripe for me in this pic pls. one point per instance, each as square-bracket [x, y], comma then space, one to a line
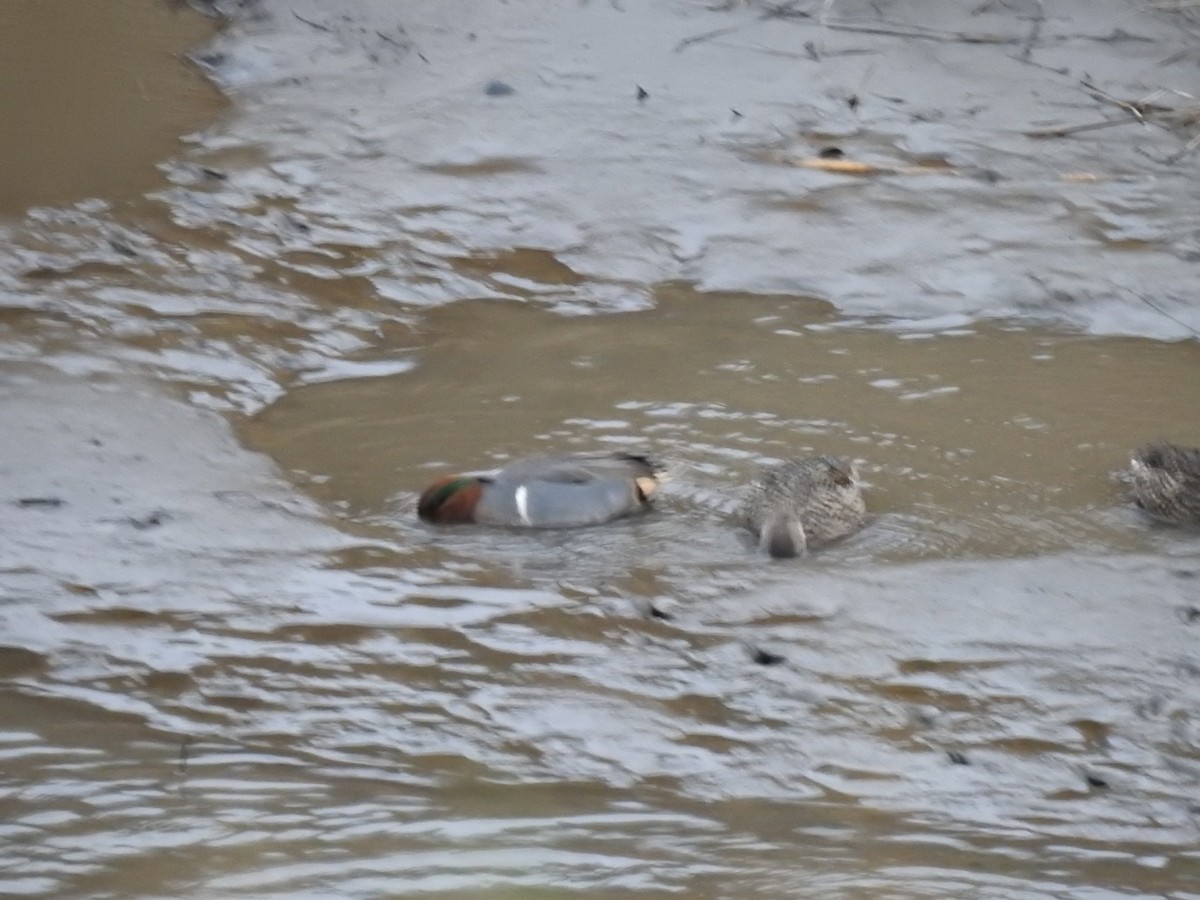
[523, 504]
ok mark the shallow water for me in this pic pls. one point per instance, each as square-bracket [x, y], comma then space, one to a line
[233, 663]
[94, 96]
[966, 452]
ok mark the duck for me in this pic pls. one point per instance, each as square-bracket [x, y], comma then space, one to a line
[566, 490]
[802, 502]
[1166, 482]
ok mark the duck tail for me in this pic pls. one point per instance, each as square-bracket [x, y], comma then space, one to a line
[782, 537]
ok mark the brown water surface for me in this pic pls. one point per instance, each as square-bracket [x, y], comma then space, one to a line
[991, 440]
[92, 95]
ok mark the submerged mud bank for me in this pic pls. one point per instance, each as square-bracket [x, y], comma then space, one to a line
[698, 179]
[369, 175]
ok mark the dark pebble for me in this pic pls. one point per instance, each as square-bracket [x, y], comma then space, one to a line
[499, 89]
[765, 657]
[43, 502]
[991, 176]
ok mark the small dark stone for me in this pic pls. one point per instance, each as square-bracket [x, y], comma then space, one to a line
[642, 93]
[42, 502]
[1094, 780]
[765, 657]
[959, 759]
[1189, 614]
[831, 153]
[852, 101]
[991, 176]
[736, 114]
[214, 174]
[656, 613]
[499, 89]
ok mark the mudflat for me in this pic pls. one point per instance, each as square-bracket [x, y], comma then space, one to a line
[953, 242]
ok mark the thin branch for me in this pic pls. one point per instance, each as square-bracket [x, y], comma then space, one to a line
[786, 10]
[769, 51]
[310, 22]
[1144, 111]
[918, 32]
[706, 36]
[1075, 129]
[1035, 31]
[1139, 109]
[1162, 312]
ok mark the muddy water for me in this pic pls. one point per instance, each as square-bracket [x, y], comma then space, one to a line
[967, 451]
[232, 662]
[94, 96]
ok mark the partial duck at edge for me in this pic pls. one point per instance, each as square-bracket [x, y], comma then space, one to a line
[1166, 482]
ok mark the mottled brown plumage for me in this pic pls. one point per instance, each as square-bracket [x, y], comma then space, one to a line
[1166, 482]
[803, 502]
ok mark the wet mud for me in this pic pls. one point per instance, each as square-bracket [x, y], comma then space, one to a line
[955, 243]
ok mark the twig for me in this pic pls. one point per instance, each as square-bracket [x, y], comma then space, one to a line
[920, 33]
[1144, 111]
[1057, 70]
[1139, 109]
[706, 36]
[1060, 295]
[854, 167]
[768, 51]
[1118, 35]
[316, 25]
[1187, 148]
[1075, 129]
[1162, 312]
[1035, 31]
[786, 11]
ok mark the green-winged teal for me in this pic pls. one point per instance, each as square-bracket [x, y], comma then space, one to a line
[802, 502]
[557, 491]
[1166, 482]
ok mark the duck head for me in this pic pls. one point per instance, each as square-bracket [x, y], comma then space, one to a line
[451, 500]
[844, 473]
